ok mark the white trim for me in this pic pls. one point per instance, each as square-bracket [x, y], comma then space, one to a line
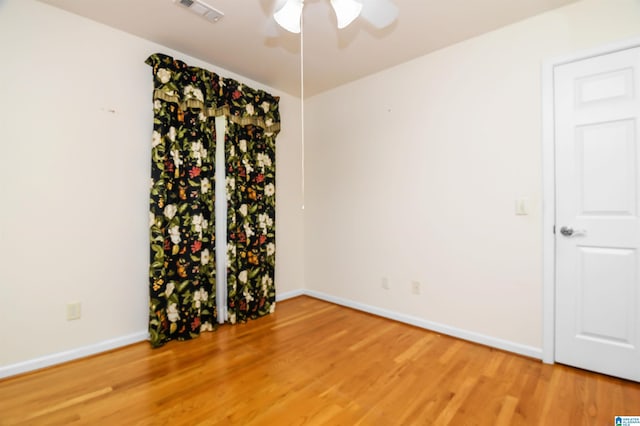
[220, 213]
[593, 52]
[548, 186]
[70, 355]
[289, 295]
[548, 216]
[470, 336]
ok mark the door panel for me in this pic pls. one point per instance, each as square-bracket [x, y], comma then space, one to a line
[606, 86]
[597, 110]
[607, 170]
[604, 312]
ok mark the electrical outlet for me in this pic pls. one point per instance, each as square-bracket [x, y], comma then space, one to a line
[415, 287]
[385, 283]
[73, 311]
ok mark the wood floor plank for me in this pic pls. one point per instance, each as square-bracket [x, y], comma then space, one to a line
[507, 410]
[314, 363]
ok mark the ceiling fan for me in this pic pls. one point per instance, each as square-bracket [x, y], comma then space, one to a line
[380, 13]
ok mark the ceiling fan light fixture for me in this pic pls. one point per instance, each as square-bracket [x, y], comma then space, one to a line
[289, 15]
[346, 11]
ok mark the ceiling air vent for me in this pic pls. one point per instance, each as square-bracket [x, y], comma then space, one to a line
[200, 8]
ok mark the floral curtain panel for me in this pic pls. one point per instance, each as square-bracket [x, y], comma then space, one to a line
[250, 154]
[182, 265]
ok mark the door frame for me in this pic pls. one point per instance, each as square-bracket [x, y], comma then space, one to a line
[549, 185]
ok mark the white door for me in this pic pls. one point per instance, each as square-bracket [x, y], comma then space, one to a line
[597, 112]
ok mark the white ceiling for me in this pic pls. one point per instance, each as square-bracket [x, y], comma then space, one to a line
[248, 42]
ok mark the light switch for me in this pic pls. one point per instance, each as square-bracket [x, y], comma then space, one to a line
[522, 206]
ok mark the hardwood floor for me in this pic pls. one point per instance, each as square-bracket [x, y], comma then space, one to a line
[315, 363]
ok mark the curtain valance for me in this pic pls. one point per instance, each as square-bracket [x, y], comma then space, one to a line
[212, 94]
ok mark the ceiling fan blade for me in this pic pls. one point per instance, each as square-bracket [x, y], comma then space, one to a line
[289, 15]
[380, 13]
[346, 11]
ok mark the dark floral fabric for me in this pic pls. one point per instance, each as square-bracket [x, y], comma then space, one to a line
[182, 265]
[182, 270]
[250, 185]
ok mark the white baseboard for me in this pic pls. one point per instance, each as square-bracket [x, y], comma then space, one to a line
[70, 355]
[459, 333]
[107, 345]
[289, 295]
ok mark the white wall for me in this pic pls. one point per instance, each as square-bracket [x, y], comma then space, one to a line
[74, 183]
[412, 173]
